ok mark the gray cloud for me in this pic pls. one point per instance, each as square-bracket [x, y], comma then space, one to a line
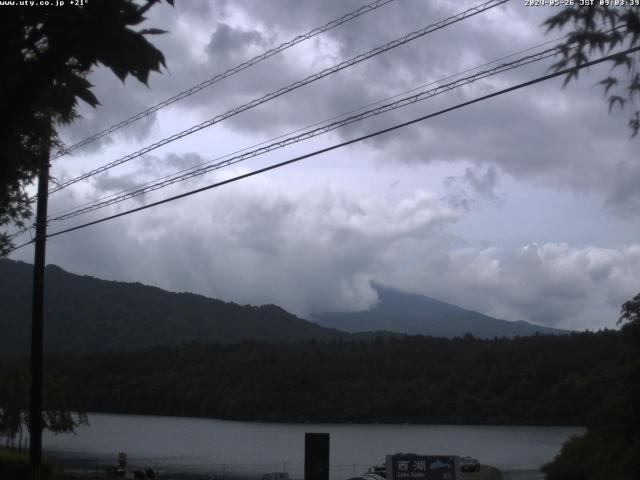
[465, 191]
[312, 249]
[317, 248]
[230, 46]
[533, 135]
[550, 284]
[118, 101]
[183, 161]
[307, 250]
[624, 199]
[107, 182]
[150, 168]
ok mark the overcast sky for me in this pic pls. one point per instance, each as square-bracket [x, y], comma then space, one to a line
[523, 207]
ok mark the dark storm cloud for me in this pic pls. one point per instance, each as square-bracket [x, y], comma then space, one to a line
[118, 102]
[425, 59]
[472, 187]
[260, 244]
[108, 182]
[150, 168]
[389, 73]
[560, 139]
[546, 133]
[184, 160]
[405, 67]
[316, 248]
[230, 44]
[529, 135]
[624, 199]
[483, 183]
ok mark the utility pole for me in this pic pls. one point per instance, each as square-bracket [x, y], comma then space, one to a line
[35, 412]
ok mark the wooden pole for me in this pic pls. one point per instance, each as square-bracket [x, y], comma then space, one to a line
[35, 412]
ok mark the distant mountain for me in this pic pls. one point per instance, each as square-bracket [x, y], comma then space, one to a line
[85, 314]
[420, 315]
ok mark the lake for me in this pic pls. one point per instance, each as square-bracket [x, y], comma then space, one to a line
[204, 446]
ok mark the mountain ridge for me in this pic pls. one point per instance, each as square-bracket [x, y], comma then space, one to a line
[87, 314]
[415, 314]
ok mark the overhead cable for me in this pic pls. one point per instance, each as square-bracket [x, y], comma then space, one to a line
[403, 102]
[302, 129]
[232, 71]
[343, 144]
[295, 85]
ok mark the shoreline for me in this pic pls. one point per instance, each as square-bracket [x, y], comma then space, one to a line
[249, 449]
[355, 424]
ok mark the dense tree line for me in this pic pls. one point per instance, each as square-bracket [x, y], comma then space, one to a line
[527, 380]
[610, 447]
[57, 416]
[85, 314]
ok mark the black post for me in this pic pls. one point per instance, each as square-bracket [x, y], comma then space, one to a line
[35, 413]
[316, 456]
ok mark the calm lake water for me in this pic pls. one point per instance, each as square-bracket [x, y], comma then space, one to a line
[199, 445]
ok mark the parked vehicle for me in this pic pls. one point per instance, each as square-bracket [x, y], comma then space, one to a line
[131, 474]
[380, 470]
[469, 464]
[276, 476]
[377, 472]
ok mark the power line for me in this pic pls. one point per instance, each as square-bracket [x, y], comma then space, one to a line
[130, 191]
[344, 144]
[232, 71]
[311, 133]
[293, 86]
[20, 246]
[200, 169]
[18, 233]
[273, 139]
[335, 117]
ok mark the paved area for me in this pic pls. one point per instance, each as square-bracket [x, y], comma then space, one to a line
[486, 473]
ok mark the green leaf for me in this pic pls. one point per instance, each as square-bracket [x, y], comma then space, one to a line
[616, 99]
[572, 74]
[622, 60]
[88, 96]
[152, 31]
[608, 82]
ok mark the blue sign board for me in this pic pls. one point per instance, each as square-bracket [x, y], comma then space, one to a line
[408, 466]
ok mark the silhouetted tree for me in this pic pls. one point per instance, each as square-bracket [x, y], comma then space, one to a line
[45, 56]
[610, 448]
[630, 318]
[58, 416]
[630, 311]
[557, 380]
[600, 28]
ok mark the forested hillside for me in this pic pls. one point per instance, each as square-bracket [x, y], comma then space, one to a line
[529, 380]
[86, 314]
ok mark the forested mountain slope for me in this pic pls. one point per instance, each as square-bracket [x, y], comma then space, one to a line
[86, 314]
[421, 315]
[545, 379]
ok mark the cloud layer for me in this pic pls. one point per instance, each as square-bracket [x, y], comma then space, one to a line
[313, 240]
[317, 248]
